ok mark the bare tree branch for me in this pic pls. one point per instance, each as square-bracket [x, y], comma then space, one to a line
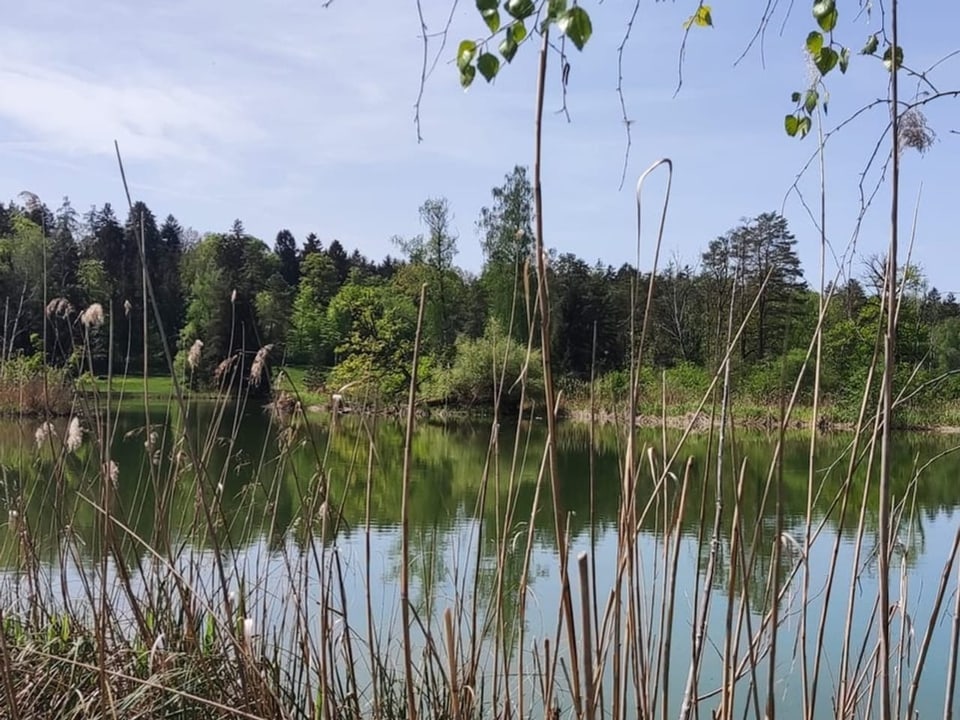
[627, 122]
[426, 67]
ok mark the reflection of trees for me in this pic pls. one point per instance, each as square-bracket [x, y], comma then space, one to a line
[276, 478]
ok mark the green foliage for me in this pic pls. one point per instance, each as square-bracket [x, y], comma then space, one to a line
[506, 237]
[312, 337]
[232, 278]
[572, 22]
[575, 24]
[772, 381]
[375, 326]
[945, 344]
[487, 367]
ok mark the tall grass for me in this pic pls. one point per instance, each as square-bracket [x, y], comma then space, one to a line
[187, 622]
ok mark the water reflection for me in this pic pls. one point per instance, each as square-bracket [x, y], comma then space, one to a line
[223, 477]
[270, 479]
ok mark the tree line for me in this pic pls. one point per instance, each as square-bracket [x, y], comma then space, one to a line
[226, 300]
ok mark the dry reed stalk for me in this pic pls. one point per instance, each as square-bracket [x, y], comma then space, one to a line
[889, 368]
[729, 648]
[586, 621]
[405, 517]
[951, 680]
[452, 663]
[550, 399]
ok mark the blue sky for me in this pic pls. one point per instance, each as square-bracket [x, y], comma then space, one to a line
[289, 114]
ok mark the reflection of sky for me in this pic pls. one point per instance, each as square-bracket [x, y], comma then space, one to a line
[271, 576]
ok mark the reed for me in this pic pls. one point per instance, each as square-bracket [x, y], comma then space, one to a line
[189, 619]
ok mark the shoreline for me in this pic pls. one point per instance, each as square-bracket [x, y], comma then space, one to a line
[702, 422]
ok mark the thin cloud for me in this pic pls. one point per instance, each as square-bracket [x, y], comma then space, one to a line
[82, 116]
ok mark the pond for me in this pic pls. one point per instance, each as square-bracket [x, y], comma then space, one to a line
[302, 519]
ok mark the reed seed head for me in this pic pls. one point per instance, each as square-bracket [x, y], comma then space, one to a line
[59, 307]
[92, 316]
[259, 363]
[44, 432]
[193, 356]
[74, 436]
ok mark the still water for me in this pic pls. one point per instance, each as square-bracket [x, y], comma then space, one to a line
[268, 477]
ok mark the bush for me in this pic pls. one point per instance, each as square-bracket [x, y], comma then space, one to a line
[474, 376]
[23, 390]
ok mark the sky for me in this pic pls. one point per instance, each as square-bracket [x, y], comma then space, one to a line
[299, 114]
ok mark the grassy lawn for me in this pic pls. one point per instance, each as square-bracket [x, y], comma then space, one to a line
[156, 386]
[293, 380]
[160, 387]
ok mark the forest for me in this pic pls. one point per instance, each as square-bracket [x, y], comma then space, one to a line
[227, 302]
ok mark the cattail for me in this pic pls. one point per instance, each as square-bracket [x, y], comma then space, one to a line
[193, 357]
[74, 436]
[259, 363]
[127, 307]
[92, 316]
[46, 430]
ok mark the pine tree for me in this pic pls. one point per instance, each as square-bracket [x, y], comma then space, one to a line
[285, 248]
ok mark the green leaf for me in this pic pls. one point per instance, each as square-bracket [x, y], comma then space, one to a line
[810, 102]
[826, 60]
[555, 8]
[488, 65]
[829, 21]
[575, 24]
[822, 8]
[791, 123]
[518, 31]
[844, 59]
[795, 97]
[490, 13]
[508, 47]
[521, 9]
[814, 42]
[888, 55]
[465, 53]
[825, 12]
[870, 47]
[467, 74]
[803, 126]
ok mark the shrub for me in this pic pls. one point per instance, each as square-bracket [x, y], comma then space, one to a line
[474, 376]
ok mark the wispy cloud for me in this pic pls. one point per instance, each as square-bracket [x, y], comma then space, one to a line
[152, 118]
